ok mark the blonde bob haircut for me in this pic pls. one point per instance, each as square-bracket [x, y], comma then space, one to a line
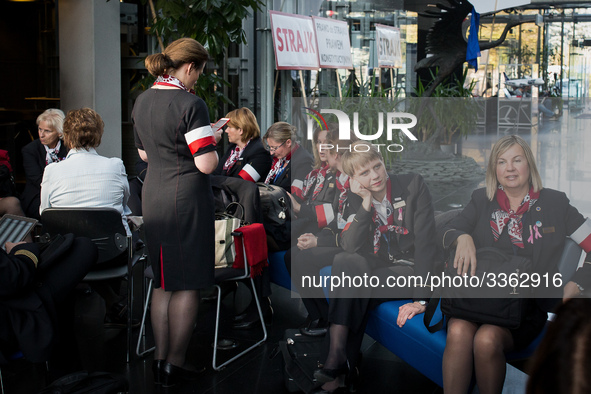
[359, 154]
[54, 118]
[83, 129]
[281, 132]
[243, 118]
[500, 147]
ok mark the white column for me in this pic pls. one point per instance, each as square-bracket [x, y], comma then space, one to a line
[90, 64]
[267, 68]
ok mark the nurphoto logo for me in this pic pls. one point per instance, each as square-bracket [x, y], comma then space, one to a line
[395, 122]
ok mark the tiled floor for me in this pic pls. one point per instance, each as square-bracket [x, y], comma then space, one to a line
[560, 148]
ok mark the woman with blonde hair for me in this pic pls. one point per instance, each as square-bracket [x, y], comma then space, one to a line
[291, 162]
[173, 134]
[517, 215]
[246, 156]
[40, 153]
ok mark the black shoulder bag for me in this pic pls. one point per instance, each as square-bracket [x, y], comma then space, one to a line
[494, 298]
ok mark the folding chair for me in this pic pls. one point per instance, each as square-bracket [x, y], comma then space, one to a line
[148, 274]
[234, 274]
[105, 229]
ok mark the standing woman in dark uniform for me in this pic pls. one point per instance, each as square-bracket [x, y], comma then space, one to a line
[173, 134]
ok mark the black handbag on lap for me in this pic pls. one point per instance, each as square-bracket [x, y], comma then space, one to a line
[494, 298]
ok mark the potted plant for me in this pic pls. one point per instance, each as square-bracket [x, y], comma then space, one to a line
[449, 114]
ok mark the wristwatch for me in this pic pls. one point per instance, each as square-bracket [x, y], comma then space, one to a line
[422, 302]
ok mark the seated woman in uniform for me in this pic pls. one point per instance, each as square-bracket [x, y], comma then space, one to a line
[312, 207]
[246, 156]
[291, 162]
[246, 161]
[390, 234]
[317, 250]
[515, 214]
[40, 153]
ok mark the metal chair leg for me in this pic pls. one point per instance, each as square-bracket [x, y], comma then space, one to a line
[130, 282]
[1, 382]
[217, 324]
[142, 334]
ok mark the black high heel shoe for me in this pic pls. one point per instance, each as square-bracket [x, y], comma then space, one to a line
[325, 375]
[172, 375]
[157, 366]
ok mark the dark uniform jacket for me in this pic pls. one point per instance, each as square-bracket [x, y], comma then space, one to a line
[555, 216]
[292, 178]
[253, 165]
[34, 154]
[418, 218]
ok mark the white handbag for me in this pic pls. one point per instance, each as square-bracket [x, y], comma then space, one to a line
[225, 224]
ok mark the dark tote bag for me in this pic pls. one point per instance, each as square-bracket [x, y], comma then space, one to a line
[499, 305]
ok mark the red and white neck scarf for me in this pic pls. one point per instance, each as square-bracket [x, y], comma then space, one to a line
[51, 154]
[314, 178]
[234, 156]
[390, 226]
[169, 80]
[278, 167]
[343, 184]
[507, 217]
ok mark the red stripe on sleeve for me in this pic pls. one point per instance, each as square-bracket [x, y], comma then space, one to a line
[586, 244]
[246, 176]
[201, 143]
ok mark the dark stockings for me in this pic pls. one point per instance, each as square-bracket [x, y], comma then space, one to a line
[337, 354]
[476, 348]
[173, 320]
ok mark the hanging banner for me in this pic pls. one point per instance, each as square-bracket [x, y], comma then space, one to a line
[294, 42]
[388, 46]
[334, 45]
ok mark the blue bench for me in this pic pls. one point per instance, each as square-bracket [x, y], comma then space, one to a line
[413, 343]
[278, 270]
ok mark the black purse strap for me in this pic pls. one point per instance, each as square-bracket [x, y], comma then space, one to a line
[227, 214]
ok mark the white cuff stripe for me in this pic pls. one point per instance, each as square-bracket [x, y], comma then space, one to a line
[198, 133]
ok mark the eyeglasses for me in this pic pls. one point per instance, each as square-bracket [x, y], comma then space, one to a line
[274, 148]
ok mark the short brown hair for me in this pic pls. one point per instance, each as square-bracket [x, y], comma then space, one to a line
[177, 53]
[500, 147]
[243, 118]
[83, 129]
[359, 154]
